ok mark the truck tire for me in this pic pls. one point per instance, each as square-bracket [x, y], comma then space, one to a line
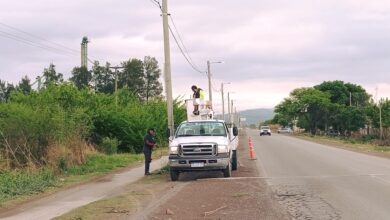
[174, 175]
[227, 172]
[234, 160]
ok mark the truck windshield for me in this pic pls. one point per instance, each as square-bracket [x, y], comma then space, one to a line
[207, 128]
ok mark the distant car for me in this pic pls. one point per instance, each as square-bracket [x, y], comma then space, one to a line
[333, 133]
[284, 130]
[265, 130]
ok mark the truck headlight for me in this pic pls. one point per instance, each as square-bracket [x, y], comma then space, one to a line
[223, 149]
[173, 150]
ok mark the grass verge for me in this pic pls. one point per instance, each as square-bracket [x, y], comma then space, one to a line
[345, 143]
[134, 198]
[23, 185]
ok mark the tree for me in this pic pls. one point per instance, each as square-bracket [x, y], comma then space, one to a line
[132, 77]
[81, 77]
[5, 91]
[153, 87]
[24, 85]
[51, 76]
[308, 103]
[104, 78]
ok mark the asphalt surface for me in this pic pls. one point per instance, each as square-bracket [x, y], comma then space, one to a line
[313, 181]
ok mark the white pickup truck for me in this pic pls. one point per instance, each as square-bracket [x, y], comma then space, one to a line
[203, 145]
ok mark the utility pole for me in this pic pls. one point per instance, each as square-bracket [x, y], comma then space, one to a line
[115, 68]
[223, 103]
[209, 77]
[167, 67]
[380, 120]
[229, 107]
[84, 52]
[231, 113]
[350, 98]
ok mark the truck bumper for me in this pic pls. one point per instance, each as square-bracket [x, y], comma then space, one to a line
[198, 164]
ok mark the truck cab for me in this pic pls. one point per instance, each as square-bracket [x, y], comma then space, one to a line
[203, 145]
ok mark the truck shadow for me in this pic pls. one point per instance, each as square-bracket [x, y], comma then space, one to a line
[192, 176]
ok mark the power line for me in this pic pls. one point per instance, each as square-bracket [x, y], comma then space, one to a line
[184, 51]
[50, 45]
[181, 40]
[39, 38]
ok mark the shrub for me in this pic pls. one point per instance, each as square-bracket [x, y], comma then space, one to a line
[109, 146]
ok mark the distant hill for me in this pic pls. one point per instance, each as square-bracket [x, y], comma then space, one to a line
[254, 116]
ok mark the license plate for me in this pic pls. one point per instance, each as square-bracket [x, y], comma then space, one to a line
[197, 164]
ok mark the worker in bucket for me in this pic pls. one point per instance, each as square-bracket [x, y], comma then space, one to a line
[198, 98]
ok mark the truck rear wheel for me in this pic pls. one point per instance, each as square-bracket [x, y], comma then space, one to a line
[227, 172]
[234, 160]
[174, 175]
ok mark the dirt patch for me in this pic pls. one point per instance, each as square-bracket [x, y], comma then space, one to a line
[223, 198]
[203, 195]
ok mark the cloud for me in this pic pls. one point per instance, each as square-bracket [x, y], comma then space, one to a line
[269, 47]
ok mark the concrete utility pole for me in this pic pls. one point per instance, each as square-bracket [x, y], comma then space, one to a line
[209, 77]
[84, 52]
[223, 101]
[380, 120]
[167, 67]
[228, 107]
[116, 81]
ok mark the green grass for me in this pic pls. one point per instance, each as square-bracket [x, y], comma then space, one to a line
[361, 144]
[101, 163]
[22, 183]
[19, 183]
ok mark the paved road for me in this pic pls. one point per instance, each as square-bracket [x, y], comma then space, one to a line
[66, 200]
[313, 181]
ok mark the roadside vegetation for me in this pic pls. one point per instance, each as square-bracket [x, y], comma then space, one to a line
[339, 110]
[80, 127]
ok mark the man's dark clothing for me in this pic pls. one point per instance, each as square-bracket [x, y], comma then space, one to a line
[148, 150]
[196, 94]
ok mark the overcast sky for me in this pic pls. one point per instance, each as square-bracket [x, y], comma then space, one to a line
[269, 47]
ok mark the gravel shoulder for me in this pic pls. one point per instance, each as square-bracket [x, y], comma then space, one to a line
[203, 195]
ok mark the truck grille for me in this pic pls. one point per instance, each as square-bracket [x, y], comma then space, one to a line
[198, 149]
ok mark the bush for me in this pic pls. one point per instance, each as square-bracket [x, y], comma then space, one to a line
[109, 146]
[17, 183]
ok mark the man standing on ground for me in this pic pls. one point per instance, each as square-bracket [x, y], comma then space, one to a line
[149, 144]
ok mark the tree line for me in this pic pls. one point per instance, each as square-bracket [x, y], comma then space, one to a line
[141, 77]
[332, 105]
[64, 119]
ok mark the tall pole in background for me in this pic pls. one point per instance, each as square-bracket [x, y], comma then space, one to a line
[209, 78]
[167, 67]
[223, 103]
[228, 107]
[116, 82]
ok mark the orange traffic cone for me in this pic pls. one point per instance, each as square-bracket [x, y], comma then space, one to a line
[252, 153]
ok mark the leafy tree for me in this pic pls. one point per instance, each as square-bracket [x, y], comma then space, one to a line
[104, 78]
[51, 76]
[81, 77]
[153, 87]
[24, 85]
[132, 76]
[308, 103]
[5, 91]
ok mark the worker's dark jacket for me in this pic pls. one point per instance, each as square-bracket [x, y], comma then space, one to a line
[196, 94]
[152, 140]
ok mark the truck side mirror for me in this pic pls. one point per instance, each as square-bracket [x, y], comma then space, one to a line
[235, 131]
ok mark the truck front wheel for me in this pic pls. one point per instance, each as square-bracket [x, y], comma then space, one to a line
[234, 160]
[174, 175]
[227, 172]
